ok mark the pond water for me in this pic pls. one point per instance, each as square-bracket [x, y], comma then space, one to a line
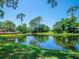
[47, 42]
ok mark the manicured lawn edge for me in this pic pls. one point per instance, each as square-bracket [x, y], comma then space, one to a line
[46, 33]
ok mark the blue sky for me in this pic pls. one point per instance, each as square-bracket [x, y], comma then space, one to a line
[34, 8]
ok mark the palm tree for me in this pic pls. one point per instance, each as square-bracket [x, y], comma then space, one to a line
[20, 16]
[72, 10]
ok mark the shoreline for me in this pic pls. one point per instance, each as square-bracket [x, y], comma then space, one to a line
[50, 34]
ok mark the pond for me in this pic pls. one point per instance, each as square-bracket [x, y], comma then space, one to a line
[47, 42]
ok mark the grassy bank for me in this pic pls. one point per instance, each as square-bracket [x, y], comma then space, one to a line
[43, 33]
[16, 51]
[57, 34]
[13, 35]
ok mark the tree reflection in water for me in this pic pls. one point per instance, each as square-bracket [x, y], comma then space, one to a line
[13, 39]
[68, 42]
[21, 39]
[37, 39]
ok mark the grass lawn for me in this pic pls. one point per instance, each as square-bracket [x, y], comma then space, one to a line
[16, 51]
[43, 33]
[11, 35]
[57, 34]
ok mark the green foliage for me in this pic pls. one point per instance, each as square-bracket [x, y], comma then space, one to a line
[44, 28]
[1, 25]
[20, 16]
[53, 3]
[64, 24]
[9, 3]
[34, 23]
[22, 28]
[57, 27]
[41, 28]
[29, 30]
[1, 14]
[72, 10]
[8, 26]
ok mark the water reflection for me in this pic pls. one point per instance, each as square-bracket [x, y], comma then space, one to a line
[68, 42]
[45, 41]
[21, 39]
[41, 38]
[38, 39]
[42, 41]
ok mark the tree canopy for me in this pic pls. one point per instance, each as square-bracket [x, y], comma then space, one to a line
[64, 24]
[8, 26]
[53, 3]
[35, 22]
[20, 16]
[71, 11]
[9, 3]
[22, 28]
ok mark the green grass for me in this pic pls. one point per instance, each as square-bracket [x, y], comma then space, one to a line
[11, 35]
[43, 33]
[57, 34]
[46, 33]
[16, 51]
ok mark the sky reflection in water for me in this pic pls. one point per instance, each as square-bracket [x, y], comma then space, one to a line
[48, 42]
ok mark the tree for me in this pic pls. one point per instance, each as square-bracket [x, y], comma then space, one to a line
[1, 25]
[71, 11]
[20, 16]
[22, 28]
[41, 28]
[9, 26]
[44, 28]
[29, 30]
[8, 3]
[52, 2]
[34, 23]
[14, 3]
[64, 24]
[57, 27]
